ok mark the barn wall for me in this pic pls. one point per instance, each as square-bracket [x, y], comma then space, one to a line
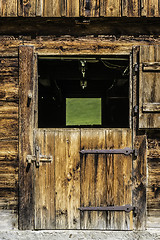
[8, 142]
[9, 116]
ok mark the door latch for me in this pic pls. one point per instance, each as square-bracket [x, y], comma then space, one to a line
[37, 158]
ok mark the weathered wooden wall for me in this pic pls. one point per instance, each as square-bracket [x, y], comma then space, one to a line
[79, 8]
[8, 140]
[9, 113]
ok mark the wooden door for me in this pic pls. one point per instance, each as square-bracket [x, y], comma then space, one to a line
[72, 180]
[52, 193]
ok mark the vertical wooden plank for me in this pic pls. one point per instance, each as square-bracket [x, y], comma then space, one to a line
[27, 8]
[120, 179]
[131, 8]
[45, 217]
[67, 175]
[73, 8]
[139, 183]
[135, 90]
[150, 8]
[8, 8]
[39, 8]
[93, 179]
[149, 86]
[26, 121]
[110, 8]
[90, 8]
[52, 8]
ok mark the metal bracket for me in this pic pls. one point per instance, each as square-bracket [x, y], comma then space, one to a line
[135, 69]
[126, 151]
[127, 208]
[135, 110]
[37, 158]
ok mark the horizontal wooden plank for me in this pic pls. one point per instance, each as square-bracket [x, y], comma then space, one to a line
[151, 107]
[8, 180]
[9, 198]
[153, 198]
[9, 128]
[8, 91]
[154, 172]
[8, 109]
[152, 66]
[9, 151]
[9, 167]
[9, 204]
[153, 218]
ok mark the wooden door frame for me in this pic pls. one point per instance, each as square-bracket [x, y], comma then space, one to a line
[28, 82]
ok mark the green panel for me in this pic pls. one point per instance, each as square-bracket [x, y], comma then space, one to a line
[83, 111]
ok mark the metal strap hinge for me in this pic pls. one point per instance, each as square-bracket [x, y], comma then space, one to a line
[37, 158]
[127, 208]
[126, 151]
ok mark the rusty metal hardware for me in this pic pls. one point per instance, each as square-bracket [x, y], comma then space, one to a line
[135, 110]
[30, 96]
[37, 158]
[127, 208]
[135, 69]
[126, 151]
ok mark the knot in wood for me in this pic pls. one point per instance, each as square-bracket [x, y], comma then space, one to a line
[69, 176]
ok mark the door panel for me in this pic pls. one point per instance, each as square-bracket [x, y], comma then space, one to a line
[67, 178]
[72, 181]
[119, 178]
[93, 179]
[45, 213]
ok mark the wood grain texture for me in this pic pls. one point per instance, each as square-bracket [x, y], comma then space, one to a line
[51, 8]
[93, 179]
[26, 123]
[110, 8]
[153, 190]
[151, 107]
[139, 182]
[150, 8]
[106, 181]
[67, 175]
[120, 179]
[135, 80]
[8, 8]
[131, 8]
[9, 151]
[27, 8]
[73, 8]
[153, 219]
[89, 8]
[8, 127]
[149, 86]
[9, 79]
[45, 212]
[155, 66]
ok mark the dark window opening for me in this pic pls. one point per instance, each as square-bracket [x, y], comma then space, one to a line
[83, 91]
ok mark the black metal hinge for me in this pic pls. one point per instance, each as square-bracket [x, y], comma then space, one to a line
[126, 151]
[127, 208]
